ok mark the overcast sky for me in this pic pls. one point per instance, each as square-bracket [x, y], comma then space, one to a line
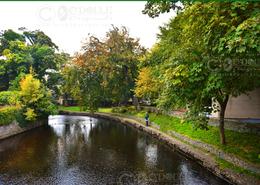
[69, 23]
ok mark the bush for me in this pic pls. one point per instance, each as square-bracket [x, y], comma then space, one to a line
[8, 114]
[35, 99]
[129, 110]
[9, 97]
[119, 110]
[32, 102]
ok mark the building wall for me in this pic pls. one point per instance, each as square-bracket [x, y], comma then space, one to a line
[244, 106]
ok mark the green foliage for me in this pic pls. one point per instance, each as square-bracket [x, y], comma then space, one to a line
[18, 60]
[122, 58]
[156, 7]
[227, 165]
[105, 72]
[209, 51]
[85, 86]
[9, 97]
[38, 37]
[35, 99]
[15, 84]
[30, 90]
[7, 36]
[245, 145]
[32, 101]
[147, 85]
[124, 109]
[30, 115]
[21, 51]
[8, 114]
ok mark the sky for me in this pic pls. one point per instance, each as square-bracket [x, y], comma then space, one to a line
[70, 23]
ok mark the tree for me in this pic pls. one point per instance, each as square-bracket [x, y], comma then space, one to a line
[147, 85]
[7, 36]
[123, 58]
[52, 76]
[153, 8]
[83, 82]
[31, 48]
[106, 70]
[38, 37]
[16, 60]
[209, 51]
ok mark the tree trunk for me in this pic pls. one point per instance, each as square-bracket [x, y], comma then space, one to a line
[223, 105]
[136, 103]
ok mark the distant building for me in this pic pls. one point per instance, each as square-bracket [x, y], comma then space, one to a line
[243, 106]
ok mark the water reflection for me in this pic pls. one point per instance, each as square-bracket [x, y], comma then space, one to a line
[84, 150]
[151, 154]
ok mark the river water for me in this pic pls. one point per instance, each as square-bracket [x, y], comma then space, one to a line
[82, 150]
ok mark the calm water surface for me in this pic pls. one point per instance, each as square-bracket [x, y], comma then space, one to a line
[83, 150]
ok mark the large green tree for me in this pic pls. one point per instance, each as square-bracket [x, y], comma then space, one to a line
[19, 51]
[16, 60]
[122, 57]
[209, 52]
[106, 69]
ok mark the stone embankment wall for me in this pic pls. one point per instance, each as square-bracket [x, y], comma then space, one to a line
[14, 128]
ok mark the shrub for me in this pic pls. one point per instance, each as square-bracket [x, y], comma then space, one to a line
[9, 97]
[8, 114]
[30, 114]
[119, 109]
[129, 110]
[35, 99]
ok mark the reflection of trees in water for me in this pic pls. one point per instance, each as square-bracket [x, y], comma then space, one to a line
[29, 151]
[102, 149]
[73, 140]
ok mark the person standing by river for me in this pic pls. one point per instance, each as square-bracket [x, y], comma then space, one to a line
[146, 119]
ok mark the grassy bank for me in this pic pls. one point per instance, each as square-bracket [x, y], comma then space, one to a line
[244, 145]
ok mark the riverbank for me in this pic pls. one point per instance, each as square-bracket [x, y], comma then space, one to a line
[245, 146]
[14, 128]
[200, 153]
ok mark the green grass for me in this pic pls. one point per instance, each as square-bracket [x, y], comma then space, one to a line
[243, 145]
[77, 108]
[105, 110]
[227, 165]
[71, 108]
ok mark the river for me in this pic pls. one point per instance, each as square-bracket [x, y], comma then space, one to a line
[82, 150]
